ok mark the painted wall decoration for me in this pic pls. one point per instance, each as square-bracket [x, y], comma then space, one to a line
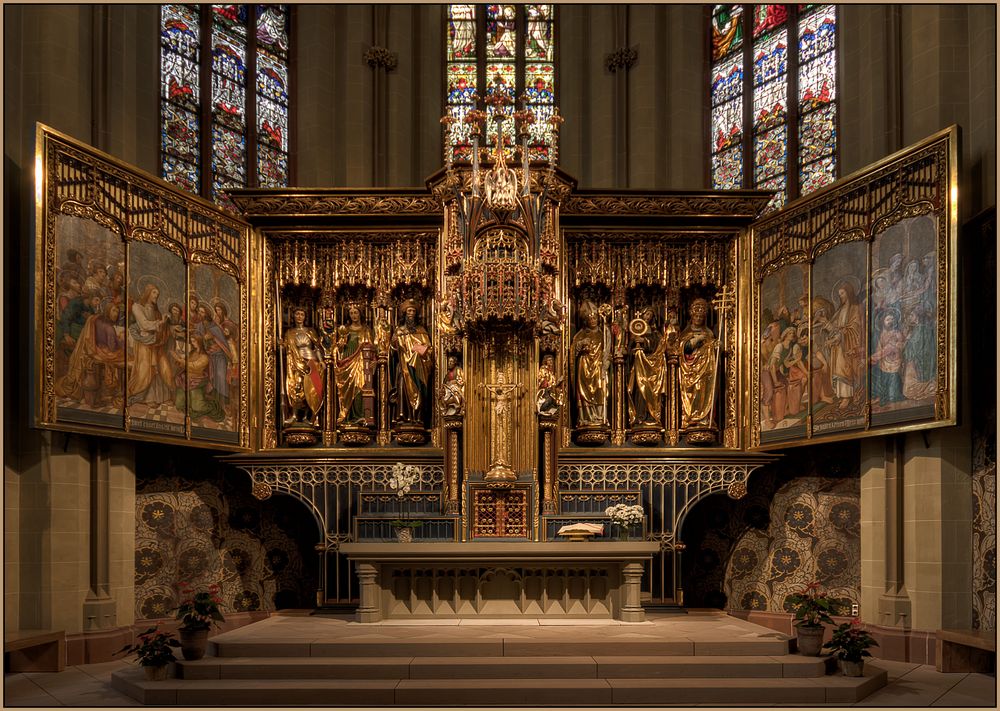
[854, 308]
[122, 264]
[206, 527]
[800, 522]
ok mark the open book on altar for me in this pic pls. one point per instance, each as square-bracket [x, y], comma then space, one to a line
[581, 530]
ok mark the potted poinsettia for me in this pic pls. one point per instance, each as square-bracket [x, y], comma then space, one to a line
[154, 651]
[198, 611]
[812, 608]
[850, 644]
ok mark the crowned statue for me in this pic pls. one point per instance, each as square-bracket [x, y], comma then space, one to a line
[697, 366]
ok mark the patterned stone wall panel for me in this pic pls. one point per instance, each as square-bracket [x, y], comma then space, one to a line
[204, 527]
[799, 522]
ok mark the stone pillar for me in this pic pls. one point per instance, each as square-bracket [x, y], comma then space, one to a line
[99, 607]
[916, 528]
[550, 477]
[631, 610]
[369, 607]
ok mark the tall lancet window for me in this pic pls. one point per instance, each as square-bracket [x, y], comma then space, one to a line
[760, 137]
[500, 48]
[224, 105]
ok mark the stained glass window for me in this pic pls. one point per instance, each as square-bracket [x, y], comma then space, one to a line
[237, 136]
[789, 131]
[500, 48]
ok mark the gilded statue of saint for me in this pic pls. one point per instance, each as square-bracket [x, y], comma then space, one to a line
[414, 363]
[697, 364]
[591, 351]
[648, 376]
[304, 369]
[548, 399]
[351, 371]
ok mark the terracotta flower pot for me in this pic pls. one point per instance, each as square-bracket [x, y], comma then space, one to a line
[193, 643]
[157, 673]
[810, 639]
[852, 668]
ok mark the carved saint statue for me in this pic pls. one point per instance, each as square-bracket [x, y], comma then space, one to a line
[452, 395]
[414, 363]
[698, 360]
[591, 352]
[503, 394]
[548, 400]
[352, 367]
[648, 375]
[304, 369]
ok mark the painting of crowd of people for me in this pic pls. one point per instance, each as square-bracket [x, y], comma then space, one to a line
[842, 354]
[142, 345]
[903, 352]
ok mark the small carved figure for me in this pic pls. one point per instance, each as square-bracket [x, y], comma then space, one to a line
[446, 317]
[553, 317]
[452, 395]
[648, 374]
[698, 358]
[548, 399]
[414, 363]
[304, 369]
[591, 352]
[352, 372]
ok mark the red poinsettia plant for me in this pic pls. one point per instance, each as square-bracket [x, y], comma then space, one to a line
[851, 641]
[152, 648]
[199, 610]
[811, 606]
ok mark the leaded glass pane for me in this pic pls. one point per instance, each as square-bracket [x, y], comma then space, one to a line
[770, 58]
[817, 82]
[231, 18]
[770, 152]
[461, 32]
[228, 81]
[539, 89]
[817, 33]
[228, 156]
[461, 88]
[727, 30]
[727, 125]
[727, 81]
[817, 134]
[538, 41]
[767, 18]
[501, 32]
[817, 175]
[727, 169]
[770, 105]
[779, 184]
[179, 49]
[179, 133]
[272, 167]
[183, 175]
[272, 29]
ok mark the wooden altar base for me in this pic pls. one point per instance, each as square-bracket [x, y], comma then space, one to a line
[699, 659]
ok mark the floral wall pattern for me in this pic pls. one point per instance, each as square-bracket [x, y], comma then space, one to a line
[207, 528]
[982, 233]
[800, 521]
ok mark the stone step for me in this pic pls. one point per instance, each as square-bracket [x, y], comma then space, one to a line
[498, 647]
[578, 667]
[834, 689]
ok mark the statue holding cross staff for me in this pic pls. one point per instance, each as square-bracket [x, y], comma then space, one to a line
[500, 419]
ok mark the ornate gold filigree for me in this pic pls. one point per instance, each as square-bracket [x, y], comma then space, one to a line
[680, 204]
[337, 205]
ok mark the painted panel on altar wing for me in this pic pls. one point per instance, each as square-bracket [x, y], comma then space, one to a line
[783, 364]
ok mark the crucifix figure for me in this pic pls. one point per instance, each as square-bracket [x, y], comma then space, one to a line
[503, 393]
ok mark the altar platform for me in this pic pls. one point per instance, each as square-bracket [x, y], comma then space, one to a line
[668, 659]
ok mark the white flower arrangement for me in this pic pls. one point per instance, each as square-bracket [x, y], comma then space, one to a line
[624, 515]
[404, 476]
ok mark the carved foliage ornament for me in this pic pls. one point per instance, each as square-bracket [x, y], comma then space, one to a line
[377, 57]
[622, 58]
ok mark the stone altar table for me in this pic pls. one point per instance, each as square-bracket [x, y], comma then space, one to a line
[596, 580]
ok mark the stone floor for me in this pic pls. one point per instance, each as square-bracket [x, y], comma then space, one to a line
[910, 685]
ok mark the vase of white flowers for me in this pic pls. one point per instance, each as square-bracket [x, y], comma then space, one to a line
[403, 477]
[623, 517]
